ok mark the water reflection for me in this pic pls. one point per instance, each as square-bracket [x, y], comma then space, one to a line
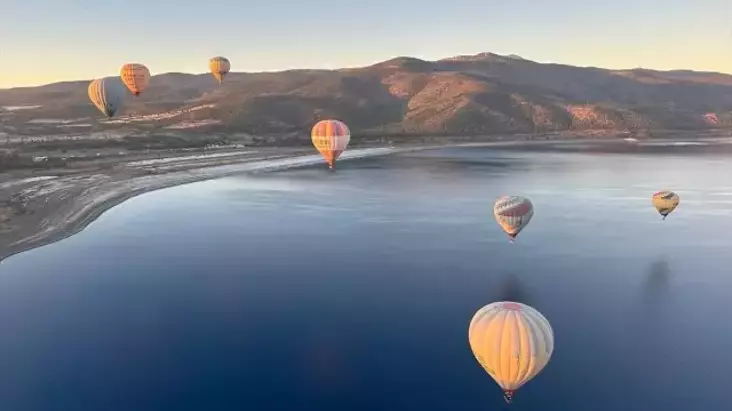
[451, 161]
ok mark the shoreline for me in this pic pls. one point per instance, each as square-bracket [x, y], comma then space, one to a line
[55, 207]
[68, 204]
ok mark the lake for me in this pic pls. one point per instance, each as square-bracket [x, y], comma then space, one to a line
[353, 290]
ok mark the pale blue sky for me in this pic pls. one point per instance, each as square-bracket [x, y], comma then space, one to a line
[43, 41]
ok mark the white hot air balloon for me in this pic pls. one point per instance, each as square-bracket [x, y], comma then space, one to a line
[512, 342]
[513, 214]
[107, 94]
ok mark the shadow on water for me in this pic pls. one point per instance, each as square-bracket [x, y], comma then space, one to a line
[654, 289]
[646, 321]
[657, 281]
[511, 287]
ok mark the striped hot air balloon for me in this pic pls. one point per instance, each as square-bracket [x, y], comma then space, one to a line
[219, 67]
[512, 342]
[135, 76]
[665, 202]
[107, 94]
[331, 138]
[513, 213]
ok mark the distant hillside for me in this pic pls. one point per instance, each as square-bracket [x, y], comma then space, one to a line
[481, 94]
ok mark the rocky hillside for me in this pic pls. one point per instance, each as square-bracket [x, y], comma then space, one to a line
[481, 94]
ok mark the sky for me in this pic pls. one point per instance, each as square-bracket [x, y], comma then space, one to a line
[44, 41]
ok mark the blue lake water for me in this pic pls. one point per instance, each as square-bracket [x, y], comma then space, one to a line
[311, 290]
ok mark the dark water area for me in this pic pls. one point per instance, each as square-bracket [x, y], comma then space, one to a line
[305, 289]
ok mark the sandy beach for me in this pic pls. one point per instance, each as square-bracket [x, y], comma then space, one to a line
[38, 209]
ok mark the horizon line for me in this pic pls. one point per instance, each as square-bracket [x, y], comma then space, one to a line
[511, 56]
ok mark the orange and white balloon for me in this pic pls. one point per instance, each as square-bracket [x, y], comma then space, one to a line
[135, 76]
[331, 138]
[665, 202]
[219, 67]
[512, 342]
[513, 213]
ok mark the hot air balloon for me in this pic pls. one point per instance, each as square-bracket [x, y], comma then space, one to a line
[331, 138]
[512, 342]
[107, 94]
[135, 76]
[513, 213]
[665, 202]
[219, 67]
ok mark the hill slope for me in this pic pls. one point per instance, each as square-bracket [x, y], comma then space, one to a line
[481, 94]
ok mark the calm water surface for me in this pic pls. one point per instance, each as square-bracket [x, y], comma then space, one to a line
[311, 290]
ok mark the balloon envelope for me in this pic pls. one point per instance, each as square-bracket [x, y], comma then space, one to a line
[219, 67]
[513, 213]
[135, 76]
[331, 138]
[665, 202]
[107, 94]
[512, 342]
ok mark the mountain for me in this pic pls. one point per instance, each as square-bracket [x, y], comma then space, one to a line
[480, 94]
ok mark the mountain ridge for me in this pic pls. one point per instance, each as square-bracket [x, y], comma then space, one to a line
[484, 93]
[475, 57]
